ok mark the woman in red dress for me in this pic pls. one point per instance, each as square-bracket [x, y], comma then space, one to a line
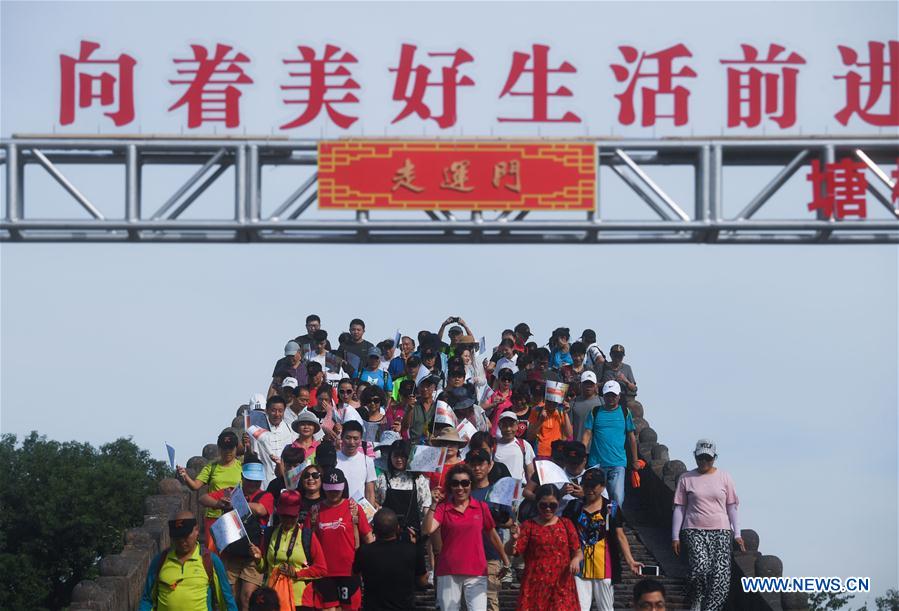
[552, 555]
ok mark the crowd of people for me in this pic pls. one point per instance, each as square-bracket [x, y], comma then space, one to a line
[523, 452]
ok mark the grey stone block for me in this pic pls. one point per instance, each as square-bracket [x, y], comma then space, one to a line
[170, 485]
[162, 505]
[750, 539]
[210, 451]
[794, 601]
[648, 435]
[769, 566]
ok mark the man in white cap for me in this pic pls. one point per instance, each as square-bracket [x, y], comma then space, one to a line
[291, 364]
[608, 429]
[586, 401]
[515, 453]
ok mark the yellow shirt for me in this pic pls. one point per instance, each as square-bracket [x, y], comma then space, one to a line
[223, 477]
[182, 587]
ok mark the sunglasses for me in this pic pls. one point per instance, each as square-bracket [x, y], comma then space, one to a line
[346, 391]
[375, 400]
[460, 483]
[313, 475]
[548, 506]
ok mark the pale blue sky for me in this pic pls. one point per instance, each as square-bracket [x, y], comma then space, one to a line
[786, 356]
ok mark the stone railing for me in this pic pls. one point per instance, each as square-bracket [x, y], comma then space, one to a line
[654, 508]
[122, 575]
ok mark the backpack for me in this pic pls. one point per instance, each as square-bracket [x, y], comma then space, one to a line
[624, 412]
[241, 547]
[354, 511]
[206, 556]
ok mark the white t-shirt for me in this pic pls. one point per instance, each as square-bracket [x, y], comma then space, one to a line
[505, 363]
[510, 455]
[359, 470]
[272, 442]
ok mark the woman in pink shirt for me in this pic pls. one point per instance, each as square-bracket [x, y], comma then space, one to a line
[705, 516]
[461, 568]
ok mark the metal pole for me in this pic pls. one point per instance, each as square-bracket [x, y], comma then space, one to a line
[639, 191]
[198, 191]
[254, 185]
[776, 183]
[293, 197]
[66, 184]
[132, 184]
[14, 203]
[190, 183]
[649, 182]
[240, 185]
[829, 156]
[702, 180]
[874, 168]
[302, 207]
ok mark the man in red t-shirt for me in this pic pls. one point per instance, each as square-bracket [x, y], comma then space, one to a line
[239, 563]
[341, 527]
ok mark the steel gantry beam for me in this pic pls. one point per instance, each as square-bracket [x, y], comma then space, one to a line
[242, 220]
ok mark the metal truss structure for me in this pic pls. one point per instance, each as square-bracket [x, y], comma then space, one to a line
[701, 221]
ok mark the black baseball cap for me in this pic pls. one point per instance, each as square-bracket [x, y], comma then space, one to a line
[523, 329]
[227, 440]
[574, 451]
[478, 455]
[326, 454]
[593, 477]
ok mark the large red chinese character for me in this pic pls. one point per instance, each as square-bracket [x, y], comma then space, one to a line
[539, 92]
[746, 88]
[663, 76]
[882, 73]
[111, 87]
[212, 95]
[448, 83]
[840, 189]
[320, 80]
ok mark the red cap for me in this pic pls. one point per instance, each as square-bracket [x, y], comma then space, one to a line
[289, 503]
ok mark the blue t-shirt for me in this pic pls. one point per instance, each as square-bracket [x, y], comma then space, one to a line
[481, 495]
[397, 367]
[560, 358]
[379, 378]
[609, 430]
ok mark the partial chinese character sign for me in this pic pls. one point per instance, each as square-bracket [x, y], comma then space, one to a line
[442, 175]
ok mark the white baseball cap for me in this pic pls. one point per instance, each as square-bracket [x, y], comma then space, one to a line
[707, 447]
[292, 382]
[588, 376]
[611, 386]
[509, 415]
[257, 401]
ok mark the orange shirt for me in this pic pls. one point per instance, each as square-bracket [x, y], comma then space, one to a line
[548, 432]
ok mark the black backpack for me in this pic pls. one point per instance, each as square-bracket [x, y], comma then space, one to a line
[241, 547]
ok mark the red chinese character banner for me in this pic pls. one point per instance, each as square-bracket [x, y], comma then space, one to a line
[441, 175]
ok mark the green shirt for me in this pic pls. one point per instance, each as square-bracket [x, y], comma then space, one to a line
[222, 477]
[182, 586]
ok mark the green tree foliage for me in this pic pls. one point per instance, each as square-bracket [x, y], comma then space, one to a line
[889, 601]
[830, 601]
[62, 507]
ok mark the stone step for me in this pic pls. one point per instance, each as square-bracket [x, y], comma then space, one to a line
[676, 587]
